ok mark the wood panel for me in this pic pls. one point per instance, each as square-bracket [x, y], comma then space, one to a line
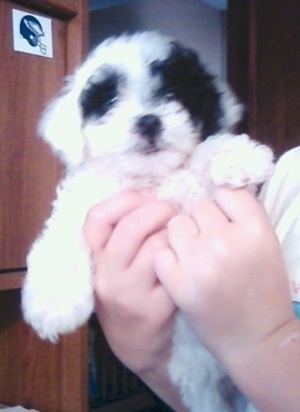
[275, 68]
[264, 66]
[28, 171]
[39, 374]
[238, 54]
[12, 280]
[34, 373]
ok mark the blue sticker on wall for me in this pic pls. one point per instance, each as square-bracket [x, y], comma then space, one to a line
[32, 34]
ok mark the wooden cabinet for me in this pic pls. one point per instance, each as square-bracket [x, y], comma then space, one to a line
[34, 373]
[28, 170]
[51, 378]
[264, 67]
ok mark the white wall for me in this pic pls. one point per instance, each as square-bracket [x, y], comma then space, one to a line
[193, 22]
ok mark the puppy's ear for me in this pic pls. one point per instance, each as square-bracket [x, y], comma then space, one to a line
[209, 102]
[60, 126]
[232, 110]
[210, 99]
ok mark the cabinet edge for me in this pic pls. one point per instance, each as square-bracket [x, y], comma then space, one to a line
[10, 281]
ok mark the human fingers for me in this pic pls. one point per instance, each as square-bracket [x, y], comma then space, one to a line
[239, 205]
[134, 228]
[102, 218]
[145, 280]
[208, 215]
[182, 236]
[143, 262]
[182, 232]
[192, 241]
[168, 271]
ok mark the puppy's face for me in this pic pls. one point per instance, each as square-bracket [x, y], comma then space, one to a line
[139, 104]
[131, 119]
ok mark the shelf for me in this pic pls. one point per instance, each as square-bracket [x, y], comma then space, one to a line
[10, 281]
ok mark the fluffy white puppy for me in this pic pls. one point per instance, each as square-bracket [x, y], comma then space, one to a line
[141, 112]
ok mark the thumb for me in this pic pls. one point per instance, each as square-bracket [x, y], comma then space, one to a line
[239, 205]
[167, 270]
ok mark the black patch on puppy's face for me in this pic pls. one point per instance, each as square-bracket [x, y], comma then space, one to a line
[185, 79]
[99, 96]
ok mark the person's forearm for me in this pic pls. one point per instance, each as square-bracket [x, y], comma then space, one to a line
[157, 379]
[269, 375]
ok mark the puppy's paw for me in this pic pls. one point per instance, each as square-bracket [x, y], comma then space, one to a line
[241, 162]
[55, 312]
[57, 298]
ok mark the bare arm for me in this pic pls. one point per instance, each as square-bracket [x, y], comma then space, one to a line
[268, 373]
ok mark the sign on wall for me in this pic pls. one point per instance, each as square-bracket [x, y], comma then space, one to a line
[32, 34]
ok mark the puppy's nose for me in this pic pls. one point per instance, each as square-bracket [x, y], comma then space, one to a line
[149, 126]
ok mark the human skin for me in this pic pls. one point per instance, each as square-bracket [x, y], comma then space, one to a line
[225, 270]
[222, 266]
[135, 312]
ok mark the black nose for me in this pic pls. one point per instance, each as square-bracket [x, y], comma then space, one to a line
[149, 126]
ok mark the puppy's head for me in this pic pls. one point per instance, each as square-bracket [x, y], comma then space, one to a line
[139, 104]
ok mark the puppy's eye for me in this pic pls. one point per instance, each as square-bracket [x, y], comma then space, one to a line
[98, 98]
[170, 96]
[109, 104]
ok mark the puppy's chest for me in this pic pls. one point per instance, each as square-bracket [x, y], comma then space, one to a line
[181, 187]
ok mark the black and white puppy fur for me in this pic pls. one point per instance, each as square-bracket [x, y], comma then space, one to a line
[141, 112]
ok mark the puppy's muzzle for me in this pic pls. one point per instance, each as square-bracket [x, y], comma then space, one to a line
[149, 127]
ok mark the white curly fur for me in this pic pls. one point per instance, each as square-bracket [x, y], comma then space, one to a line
[107, 155]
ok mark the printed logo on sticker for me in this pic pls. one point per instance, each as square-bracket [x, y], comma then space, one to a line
[32, 34]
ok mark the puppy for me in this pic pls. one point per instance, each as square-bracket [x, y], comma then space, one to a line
[141, 112]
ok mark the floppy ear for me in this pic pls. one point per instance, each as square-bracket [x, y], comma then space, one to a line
[60, 126]
[207, 100]
[232, 109]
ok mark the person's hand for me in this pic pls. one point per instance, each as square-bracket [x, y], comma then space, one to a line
[224, 269]
[222, 266]
[136, 314]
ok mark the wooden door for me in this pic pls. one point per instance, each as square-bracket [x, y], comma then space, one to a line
[28, 171]
[264, 67]
[33, 373]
